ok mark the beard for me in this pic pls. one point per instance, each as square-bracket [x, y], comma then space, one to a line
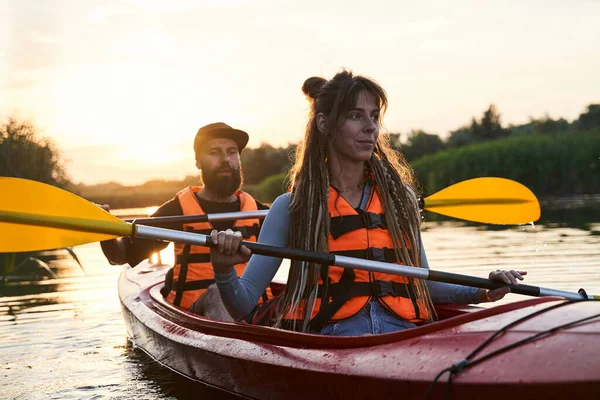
[222, 186]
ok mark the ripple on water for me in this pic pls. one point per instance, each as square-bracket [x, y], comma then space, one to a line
[65, 339]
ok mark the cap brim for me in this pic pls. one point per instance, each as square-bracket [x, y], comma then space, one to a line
[238, 136]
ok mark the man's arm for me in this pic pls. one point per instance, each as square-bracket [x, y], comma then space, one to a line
[115, 250]
[133, 251]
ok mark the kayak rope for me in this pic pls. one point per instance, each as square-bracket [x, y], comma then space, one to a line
[461, 365]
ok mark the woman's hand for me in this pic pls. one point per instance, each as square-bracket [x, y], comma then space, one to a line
[511, 277]
[228, 251]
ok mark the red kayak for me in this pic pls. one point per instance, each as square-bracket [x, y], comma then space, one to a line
[545, 348]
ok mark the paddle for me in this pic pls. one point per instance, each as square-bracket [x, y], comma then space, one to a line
[184, 219]
[54, 226]
[490, 200]
[486, 200]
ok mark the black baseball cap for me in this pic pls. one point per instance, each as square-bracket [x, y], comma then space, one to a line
[220, 130]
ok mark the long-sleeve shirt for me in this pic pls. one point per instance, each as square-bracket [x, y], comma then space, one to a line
[240, 295]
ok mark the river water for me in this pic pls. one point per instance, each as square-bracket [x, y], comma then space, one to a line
[64, 337]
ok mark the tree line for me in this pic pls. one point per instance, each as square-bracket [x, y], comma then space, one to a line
[266, 160]
[489, 127]
[24, 154]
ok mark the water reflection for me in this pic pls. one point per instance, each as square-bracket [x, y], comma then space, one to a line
[49, 264]
[162, 381]
[65, 338]
[582, 218]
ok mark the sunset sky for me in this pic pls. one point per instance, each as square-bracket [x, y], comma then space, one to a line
[122, 86]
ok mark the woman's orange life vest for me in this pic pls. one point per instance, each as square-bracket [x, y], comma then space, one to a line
[192, 263]
[361, 234]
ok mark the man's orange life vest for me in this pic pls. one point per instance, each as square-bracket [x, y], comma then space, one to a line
[192, 263]
[343, 292]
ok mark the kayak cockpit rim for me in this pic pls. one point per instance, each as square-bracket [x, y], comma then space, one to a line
[153, 299]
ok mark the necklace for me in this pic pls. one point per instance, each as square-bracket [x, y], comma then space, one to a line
[350, 188]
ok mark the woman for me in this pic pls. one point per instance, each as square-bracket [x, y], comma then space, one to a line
[350, 194]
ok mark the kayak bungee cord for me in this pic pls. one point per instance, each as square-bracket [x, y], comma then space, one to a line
[461, 365]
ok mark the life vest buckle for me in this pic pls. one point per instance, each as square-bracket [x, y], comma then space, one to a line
[372, 220]
[390, 288]
[375, 254]
[383, 288]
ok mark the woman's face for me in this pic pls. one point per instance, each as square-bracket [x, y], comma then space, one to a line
[355, 140]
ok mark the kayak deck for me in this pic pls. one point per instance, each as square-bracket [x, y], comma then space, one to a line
[262, 362]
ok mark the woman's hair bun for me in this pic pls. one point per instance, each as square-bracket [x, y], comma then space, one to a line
[312, 86]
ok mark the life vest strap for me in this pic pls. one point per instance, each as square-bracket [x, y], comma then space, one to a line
[330, 304]
[337, 294]
[376, 288]
[193, 285]
[247, 231]
[192, 258]
[343, 291]
[182, 274]
[370, 253]
[348, 223]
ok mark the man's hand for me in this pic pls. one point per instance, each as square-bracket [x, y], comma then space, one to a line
[105, 207]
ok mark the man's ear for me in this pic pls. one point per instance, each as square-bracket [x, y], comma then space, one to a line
[198, 164]
[322, 123]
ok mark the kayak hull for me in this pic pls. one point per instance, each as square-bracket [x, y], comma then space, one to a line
[265, 363]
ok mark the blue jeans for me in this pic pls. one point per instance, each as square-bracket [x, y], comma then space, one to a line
[373, 318]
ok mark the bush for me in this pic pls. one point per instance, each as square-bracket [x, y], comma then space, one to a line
[273, 186]
[24, 155]
[548, 165]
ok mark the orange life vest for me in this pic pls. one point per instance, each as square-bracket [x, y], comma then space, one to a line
[361, 234]
[192, 263]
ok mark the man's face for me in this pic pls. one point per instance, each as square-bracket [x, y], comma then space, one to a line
[219, 162]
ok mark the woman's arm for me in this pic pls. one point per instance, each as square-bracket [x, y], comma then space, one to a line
[241, 295]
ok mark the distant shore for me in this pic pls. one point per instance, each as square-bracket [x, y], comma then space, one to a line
[570, 202]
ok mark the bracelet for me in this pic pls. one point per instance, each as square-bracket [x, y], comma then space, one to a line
[484, 296]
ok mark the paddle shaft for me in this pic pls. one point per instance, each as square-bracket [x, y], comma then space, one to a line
[349, 262]
[261, 214]
[186, 219]
[503, 202]
[424, 204]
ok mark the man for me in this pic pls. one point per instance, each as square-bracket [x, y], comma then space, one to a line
[217, 148]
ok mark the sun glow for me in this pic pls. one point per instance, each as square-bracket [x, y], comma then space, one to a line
[147, 154]
[140, 75]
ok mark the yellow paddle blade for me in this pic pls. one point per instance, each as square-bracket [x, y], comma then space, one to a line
[37, 216]
[488, 200]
